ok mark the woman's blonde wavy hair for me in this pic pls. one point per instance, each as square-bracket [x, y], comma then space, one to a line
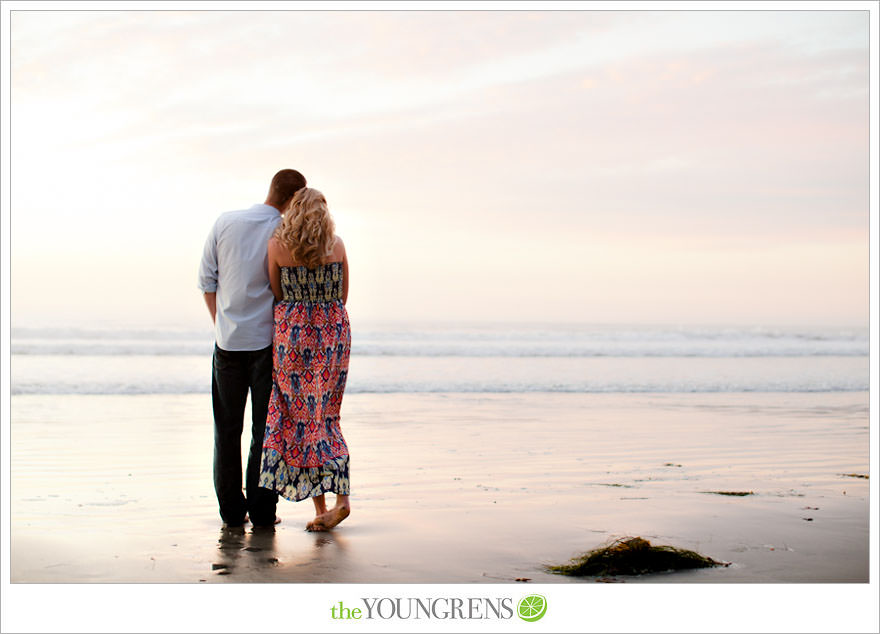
[307, 229]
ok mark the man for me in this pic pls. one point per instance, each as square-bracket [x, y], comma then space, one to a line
[234, 278]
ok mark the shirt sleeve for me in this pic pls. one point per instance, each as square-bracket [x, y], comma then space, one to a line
[208, 266]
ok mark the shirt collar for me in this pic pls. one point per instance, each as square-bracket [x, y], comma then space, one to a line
[264, 208]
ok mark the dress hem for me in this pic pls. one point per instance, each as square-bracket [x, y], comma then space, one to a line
[300, 483]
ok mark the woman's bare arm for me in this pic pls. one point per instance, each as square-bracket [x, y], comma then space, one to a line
[344, 276]
[274, 269]
[339, 250]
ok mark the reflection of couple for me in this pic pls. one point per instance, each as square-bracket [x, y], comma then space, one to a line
[283, 252]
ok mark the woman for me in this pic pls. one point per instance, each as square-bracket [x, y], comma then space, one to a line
[304, 453]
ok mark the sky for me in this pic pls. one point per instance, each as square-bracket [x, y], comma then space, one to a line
[669, 167]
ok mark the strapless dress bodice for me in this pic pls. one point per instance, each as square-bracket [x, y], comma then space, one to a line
[312, 285]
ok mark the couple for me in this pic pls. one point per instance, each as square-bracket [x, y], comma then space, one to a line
[275, 279]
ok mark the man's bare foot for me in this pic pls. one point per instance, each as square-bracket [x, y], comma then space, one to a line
[277, 520]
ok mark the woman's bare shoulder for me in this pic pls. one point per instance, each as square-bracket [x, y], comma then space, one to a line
[338, 249]
[279, 253]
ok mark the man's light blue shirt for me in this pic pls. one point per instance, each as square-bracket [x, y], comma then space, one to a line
[234, 265]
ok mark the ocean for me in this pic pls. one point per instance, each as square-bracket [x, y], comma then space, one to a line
[487, 359]
[470, 445]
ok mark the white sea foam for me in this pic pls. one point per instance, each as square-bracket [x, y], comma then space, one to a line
[480, 342]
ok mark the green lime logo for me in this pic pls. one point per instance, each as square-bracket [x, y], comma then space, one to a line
[532, 607]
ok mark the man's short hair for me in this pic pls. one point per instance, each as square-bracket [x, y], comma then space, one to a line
[285, 184]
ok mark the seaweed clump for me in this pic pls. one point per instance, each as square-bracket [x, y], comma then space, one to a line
[732, 493]
[633, 556]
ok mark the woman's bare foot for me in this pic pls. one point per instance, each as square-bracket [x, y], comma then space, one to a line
[320, 510]
[333, 517]
[315, 525]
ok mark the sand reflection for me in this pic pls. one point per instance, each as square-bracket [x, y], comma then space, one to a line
[265, 554]
[242, 553]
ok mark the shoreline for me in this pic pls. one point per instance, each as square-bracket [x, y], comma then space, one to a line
[454, 488]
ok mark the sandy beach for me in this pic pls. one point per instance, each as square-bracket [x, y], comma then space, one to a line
[453, 488]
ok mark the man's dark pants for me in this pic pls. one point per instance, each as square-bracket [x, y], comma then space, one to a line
[235, 373]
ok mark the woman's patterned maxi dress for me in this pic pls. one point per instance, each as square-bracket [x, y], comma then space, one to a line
[304, 453]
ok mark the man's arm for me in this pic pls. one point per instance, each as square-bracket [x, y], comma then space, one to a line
[211, 301]
[208, 273]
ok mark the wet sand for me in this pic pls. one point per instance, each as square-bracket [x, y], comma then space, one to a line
[453, 488]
